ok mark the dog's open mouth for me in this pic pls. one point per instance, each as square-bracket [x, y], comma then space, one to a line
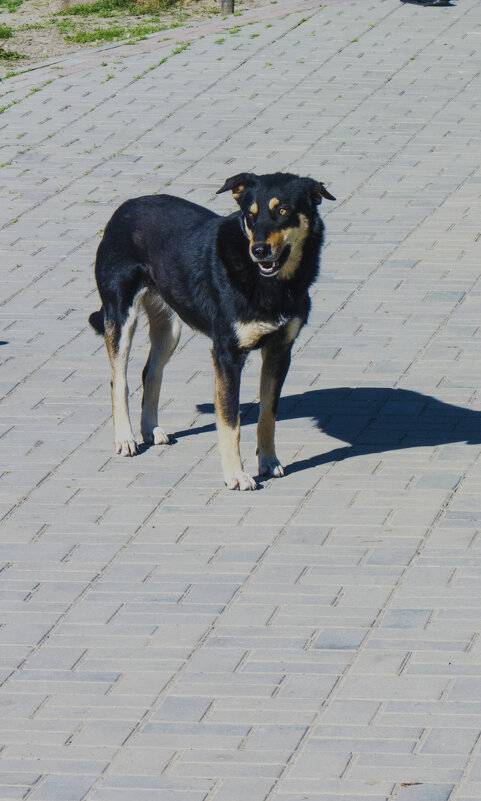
[268, 268]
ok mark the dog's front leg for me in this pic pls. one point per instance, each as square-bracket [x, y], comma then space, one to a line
[276, 358]
[228, 364]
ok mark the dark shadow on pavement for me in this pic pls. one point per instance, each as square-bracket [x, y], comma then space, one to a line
[369, 420]
[428, 2]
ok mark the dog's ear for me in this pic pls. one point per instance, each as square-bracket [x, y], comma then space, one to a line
[238, 184]
[319, 191]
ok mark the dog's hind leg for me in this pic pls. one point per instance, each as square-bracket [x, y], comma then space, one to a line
[118, 340]
[121, 283]
[164, 331]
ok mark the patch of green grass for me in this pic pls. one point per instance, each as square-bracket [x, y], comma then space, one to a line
[143, 29]
[6, 32]
[102, 8]
[181, 46]
[9, 55]
[64, 25]
[74, 30]
[96, 35]
[37, 26]
[107, 8]
[10, 5]
[108, 34]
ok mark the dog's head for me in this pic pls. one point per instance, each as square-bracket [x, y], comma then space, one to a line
[279, 212]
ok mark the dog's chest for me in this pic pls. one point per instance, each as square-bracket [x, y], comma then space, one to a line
[249, 334]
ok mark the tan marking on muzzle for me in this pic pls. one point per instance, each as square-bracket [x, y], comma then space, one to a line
[277, 240]
[295, 237]
[250, 234]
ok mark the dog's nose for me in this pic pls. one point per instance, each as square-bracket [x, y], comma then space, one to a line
[261, 251]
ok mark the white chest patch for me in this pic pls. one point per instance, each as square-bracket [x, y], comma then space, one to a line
[249, 334]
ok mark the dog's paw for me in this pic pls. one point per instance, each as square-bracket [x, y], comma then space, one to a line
[155, 436]
[126, 447]
[270, 466]
[240, 481]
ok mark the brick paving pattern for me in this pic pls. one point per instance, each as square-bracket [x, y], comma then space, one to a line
[161, 638]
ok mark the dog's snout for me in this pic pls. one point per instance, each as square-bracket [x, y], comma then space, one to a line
[261, 250]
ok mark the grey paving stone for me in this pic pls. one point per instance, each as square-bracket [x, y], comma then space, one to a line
[71, 788]
[340, 638]
[421, 791]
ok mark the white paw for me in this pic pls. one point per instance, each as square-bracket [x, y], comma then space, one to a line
[156, 436]
[126, 447]
[270, 466]
[240, 481]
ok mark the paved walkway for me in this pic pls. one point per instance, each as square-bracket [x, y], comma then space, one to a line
[163, 639]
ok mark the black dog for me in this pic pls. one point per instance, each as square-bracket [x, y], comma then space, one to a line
[242, 280]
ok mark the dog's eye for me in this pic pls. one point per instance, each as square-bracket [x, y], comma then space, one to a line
[283, 210]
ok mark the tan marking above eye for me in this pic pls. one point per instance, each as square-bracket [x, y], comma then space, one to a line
[237, 192]
[254, 209]
[273, 202]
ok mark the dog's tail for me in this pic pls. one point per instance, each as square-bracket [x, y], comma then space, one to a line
[96, 320]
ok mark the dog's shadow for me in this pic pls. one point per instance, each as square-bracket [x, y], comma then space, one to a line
[369, 420]
[427, 3]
